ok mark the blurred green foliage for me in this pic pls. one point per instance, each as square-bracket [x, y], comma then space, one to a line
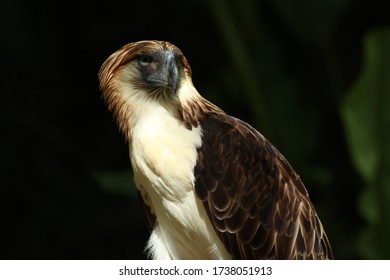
[366, 116]
[118, 182]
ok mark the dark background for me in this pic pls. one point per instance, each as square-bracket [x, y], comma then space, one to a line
[312, 76]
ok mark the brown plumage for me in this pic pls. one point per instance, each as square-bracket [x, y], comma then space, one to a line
[255, 202]
[258, 204]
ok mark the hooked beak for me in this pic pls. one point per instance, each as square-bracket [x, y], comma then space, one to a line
[166, 74]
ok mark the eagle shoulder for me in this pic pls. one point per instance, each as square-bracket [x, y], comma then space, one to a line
[255, 201]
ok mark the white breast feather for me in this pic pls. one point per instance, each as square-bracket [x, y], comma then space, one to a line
[163, 154]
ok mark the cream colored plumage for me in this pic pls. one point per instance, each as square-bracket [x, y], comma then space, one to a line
[163, 154]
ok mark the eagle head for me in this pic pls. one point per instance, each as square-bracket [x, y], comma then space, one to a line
[155, 67]
[144, 72]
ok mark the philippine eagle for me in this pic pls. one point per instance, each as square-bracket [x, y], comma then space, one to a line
[210, 186]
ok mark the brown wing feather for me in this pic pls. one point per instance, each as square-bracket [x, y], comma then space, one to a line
[258, 205]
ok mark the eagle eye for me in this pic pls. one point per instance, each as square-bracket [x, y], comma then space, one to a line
[144, 60]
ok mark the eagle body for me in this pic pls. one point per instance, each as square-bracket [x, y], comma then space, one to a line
[210, 185]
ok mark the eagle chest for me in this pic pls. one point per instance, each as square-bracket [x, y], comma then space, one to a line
[163, 154]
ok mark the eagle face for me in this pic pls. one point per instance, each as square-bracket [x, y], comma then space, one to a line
[210, 185]
[143, 74]
[159, 71]
[154, 68]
